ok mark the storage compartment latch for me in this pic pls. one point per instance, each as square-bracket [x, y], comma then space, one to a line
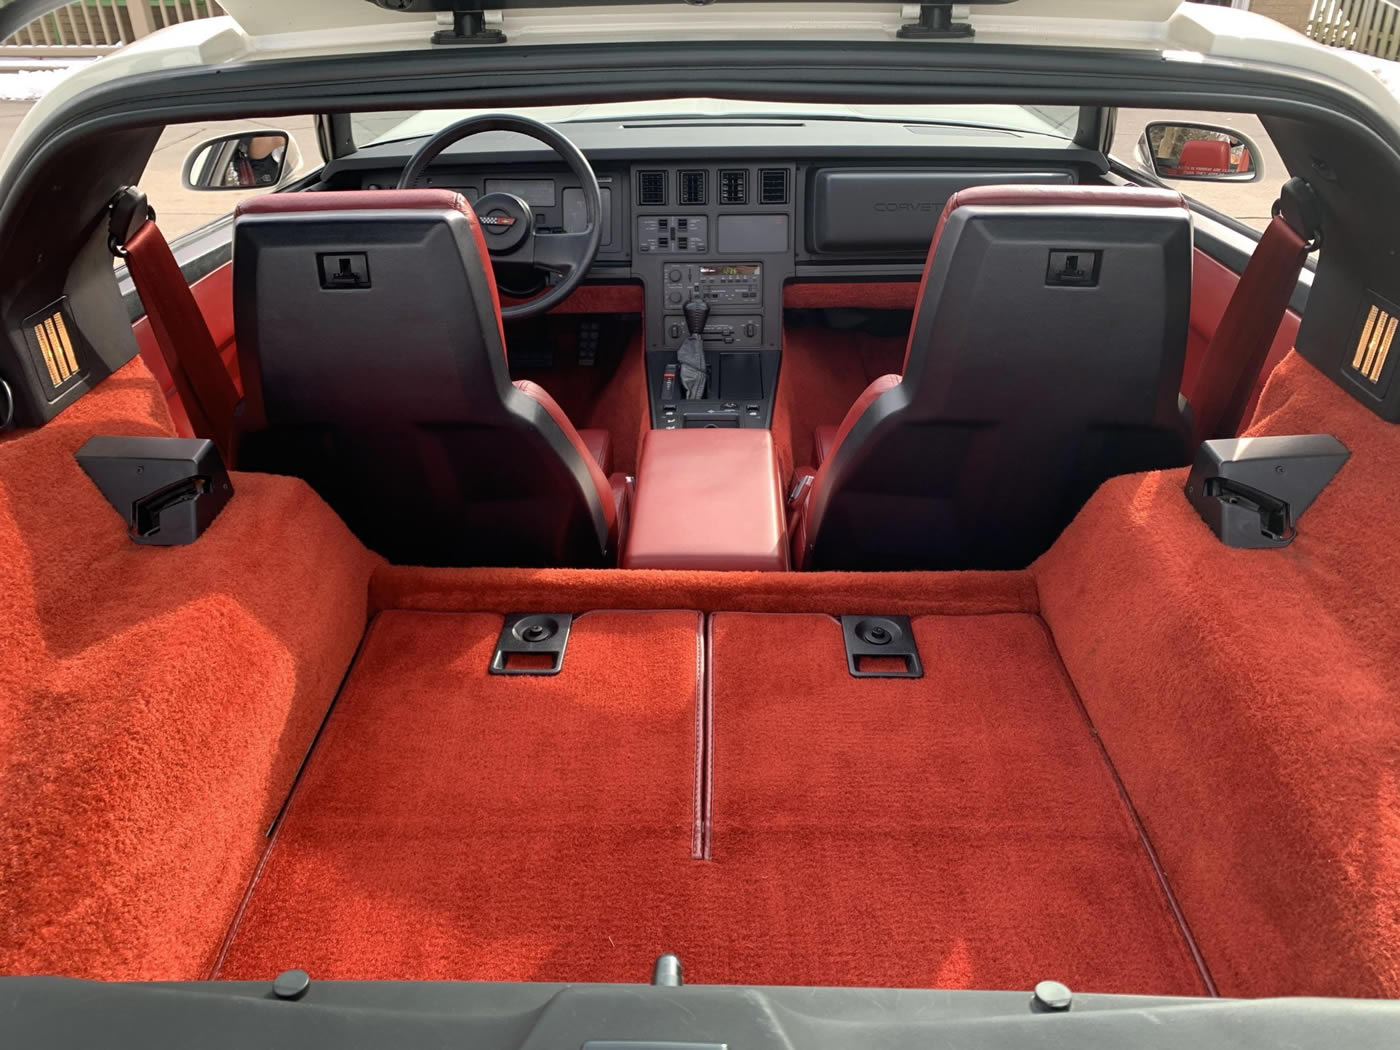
[532, 643]
[881, 647]
[1252, 491]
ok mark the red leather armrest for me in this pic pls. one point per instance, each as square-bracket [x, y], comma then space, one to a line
[707, 499]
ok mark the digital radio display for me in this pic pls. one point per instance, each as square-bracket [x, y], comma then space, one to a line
[732, 270]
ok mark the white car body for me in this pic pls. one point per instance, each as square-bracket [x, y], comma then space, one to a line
[1183, 33]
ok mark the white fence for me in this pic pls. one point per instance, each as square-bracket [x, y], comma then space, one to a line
[1369, 26]
[94, 27]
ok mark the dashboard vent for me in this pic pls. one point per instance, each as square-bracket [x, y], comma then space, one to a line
[773, 186]
[651, 187]
[692, 187]
[734, 186]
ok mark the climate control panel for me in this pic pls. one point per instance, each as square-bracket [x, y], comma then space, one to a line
[729, 329]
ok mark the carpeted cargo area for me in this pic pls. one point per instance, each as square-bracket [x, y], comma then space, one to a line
[457, 824]
[154, 702]
[961, 830]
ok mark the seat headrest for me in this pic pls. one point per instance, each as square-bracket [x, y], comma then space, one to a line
[354, 200]
[1064, 196]
[321, 206]
[1084, 266]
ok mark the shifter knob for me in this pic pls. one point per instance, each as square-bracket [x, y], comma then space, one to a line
[697, 311]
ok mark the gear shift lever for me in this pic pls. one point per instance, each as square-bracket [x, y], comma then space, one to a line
[697, 312]
[691, 354]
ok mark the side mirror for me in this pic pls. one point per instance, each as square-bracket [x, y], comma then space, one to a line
[247, 160]
[1199, 152]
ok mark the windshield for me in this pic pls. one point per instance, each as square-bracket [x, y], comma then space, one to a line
[1056, 121]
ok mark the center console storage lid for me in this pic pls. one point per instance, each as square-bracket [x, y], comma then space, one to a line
[892, 211]
[707, 499]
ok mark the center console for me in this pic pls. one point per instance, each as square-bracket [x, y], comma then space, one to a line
[713, 249]
[707, 501]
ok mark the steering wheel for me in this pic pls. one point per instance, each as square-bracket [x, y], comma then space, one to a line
[508, 224]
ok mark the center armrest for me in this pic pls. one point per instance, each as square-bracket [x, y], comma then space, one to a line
[707, 499]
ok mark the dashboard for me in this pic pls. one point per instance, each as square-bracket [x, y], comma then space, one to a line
[731, 211]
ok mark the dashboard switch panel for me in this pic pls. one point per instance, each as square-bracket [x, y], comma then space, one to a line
[673, 233]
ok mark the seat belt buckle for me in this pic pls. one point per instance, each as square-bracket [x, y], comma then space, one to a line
[1300, 207]
[127, 212]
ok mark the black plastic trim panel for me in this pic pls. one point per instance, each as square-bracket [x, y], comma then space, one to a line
[56, 1013]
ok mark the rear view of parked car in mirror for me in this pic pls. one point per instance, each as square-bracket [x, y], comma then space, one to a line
[241, 161]
[1199, 152]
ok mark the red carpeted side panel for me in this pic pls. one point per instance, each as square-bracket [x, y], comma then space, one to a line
[823, 371]
[456, 824]
[959, 830]
[608, 395]
[1249, 700]
[868, 295]
[155, 702]
[508, 590]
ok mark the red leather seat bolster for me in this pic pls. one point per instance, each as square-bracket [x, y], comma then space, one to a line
[857, 409]
[823, 441]
[707, 499]
[623, 489]
[802, 481]
[599, 445]
[600, 480]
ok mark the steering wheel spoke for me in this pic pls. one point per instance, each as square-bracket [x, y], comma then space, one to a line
[565, 255]
[561, 253]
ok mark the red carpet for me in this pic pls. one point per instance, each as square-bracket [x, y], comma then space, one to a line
[455, 824]
[154, 701]
[608, 395]
[960, 831]
[1249, 700]
[824, 370]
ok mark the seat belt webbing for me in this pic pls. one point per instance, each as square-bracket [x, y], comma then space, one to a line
[1240, 345]
[203, 383]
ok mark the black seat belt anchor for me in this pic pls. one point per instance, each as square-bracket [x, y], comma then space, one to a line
[1300, 207]
[127, 212]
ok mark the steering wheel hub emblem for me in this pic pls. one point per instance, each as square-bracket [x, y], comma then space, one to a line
[505, 219]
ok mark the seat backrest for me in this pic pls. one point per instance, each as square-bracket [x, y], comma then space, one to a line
[1045, 356]
[374, 366]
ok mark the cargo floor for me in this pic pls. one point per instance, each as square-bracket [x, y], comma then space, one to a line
[722, 789]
